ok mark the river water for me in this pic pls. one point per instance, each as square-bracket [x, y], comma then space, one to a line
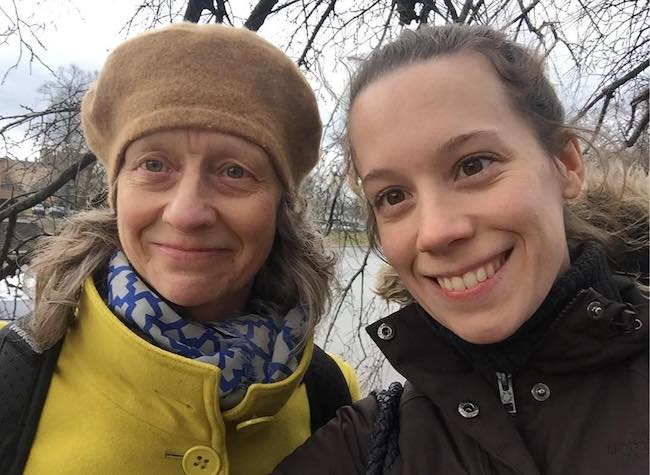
[343, 332]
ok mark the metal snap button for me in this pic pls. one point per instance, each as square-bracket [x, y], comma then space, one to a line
[541, 392]
[468, 409]
[638, 324]
[595, 310]
[201, 460]
[385, 332]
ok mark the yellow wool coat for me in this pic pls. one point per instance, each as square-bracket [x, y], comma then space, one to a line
[119, 405]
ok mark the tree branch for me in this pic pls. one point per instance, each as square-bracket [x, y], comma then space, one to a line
[195, 9]
[524, 12]
[638, 130]
[330, 9]
[344, 292]
[467, 6]
[474, 13]
[9, 269]
[452, 10]
[258, 16]
[9, 234]
[406, 11]
[611, 88]
[24, 118]
[644, 96]
[38, 197]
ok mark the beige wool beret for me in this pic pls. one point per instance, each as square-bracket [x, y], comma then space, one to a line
[203, 76]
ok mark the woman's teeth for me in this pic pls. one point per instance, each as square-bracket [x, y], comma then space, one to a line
[471, 278]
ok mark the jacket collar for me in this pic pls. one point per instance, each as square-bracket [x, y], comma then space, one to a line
[581, 338]
[132, 372]
[589, 269]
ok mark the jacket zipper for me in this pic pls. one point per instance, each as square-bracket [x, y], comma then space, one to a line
[504, 380]
[506, 392]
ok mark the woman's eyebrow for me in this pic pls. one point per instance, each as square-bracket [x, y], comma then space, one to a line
[457, 141]
[376, 174]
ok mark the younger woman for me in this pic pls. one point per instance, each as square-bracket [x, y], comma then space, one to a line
[524, 340]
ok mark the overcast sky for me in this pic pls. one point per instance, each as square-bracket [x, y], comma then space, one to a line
[77, 33]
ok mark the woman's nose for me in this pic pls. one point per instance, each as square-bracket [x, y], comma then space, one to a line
[190, 205]
[442, 224]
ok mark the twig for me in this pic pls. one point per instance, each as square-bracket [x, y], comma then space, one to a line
[330, 9]
[611, 88]
[343, 294]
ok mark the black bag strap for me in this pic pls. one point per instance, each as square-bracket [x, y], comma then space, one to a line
[384, 445]
[25, 377]
[327, 389]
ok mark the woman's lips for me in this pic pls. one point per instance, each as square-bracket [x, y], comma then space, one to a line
[473, 279]
[180, 252]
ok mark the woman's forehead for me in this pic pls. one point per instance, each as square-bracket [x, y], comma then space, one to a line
[445, 78]
[194, 139]
[434, 103]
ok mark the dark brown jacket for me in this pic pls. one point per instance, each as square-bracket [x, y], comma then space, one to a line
[581, 401]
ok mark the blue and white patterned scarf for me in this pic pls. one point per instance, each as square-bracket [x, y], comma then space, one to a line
[259, 347]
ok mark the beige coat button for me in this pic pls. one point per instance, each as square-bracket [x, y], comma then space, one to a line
[201, 460]
[257, 423]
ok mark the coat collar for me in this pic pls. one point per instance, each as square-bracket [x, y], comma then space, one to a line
[582, 338]
[135, 373]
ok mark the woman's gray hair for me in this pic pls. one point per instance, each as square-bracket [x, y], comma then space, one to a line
[297, 271]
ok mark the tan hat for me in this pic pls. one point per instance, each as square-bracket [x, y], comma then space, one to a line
[203, 76]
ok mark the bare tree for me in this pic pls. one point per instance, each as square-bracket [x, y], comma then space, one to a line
[21, 33]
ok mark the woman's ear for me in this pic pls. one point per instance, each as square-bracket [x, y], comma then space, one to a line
[571, 165]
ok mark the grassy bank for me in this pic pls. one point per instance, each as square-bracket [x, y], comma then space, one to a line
[346, 238]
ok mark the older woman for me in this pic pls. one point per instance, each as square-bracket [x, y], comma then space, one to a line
[524, 340]
[180, 321]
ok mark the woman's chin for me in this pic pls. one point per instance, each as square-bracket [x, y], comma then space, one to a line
[484, 334]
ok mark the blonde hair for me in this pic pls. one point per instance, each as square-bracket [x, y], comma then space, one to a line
[613, 208]
[298, 271]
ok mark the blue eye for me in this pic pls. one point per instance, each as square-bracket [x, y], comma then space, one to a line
[155, 166]
[235, 171]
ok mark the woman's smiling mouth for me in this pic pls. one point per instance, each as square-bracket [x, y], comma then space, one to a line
[472, 278]
[183, 252]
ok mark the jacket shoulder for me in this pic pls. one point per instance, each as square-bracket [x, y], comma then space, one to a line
[340, 446]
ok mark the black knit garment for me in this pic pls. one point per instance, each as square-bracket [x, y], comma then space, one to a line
[589, 269]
